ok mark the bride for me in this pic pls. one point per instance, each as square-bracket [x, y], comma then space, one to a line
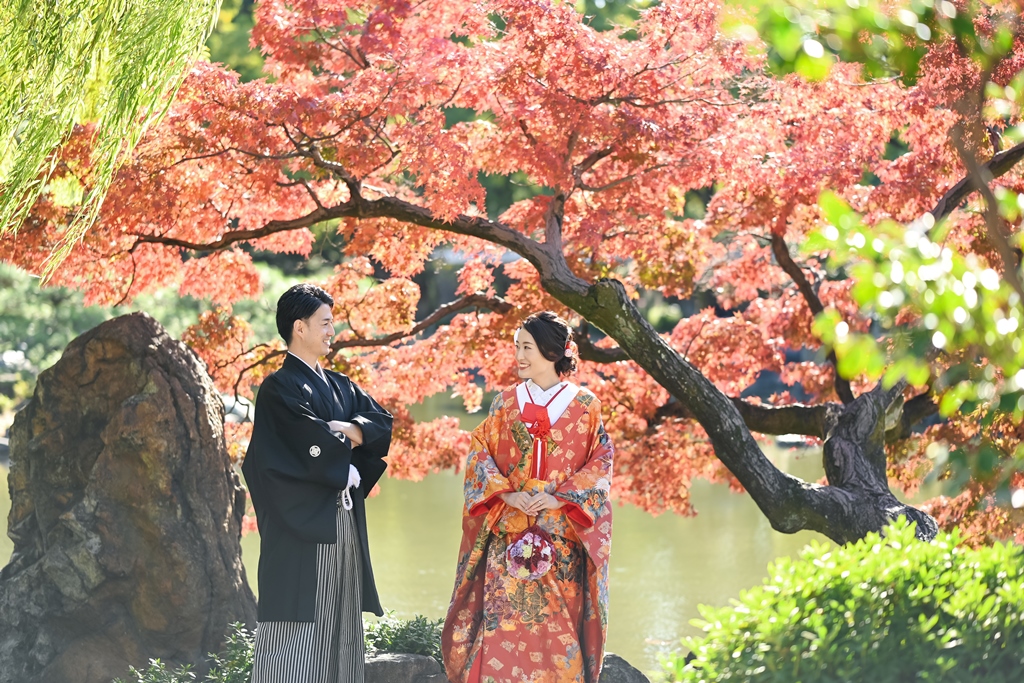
[531, 589]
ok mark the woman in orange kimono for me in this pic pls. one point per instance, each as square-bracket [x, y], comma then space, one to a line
[531, 590]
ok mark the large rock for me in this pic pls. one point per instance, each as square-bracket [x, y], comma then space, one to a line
[125, 514]
[618, 670]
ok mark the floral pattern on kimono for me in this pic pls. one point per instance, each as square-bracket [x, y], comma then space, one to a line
[502, 629]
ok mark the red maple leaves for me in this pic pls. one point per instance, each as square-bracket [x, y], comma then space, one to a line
[353, 129]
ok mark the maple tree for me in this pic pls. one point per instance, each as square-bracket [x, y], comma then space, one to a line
[364, 127]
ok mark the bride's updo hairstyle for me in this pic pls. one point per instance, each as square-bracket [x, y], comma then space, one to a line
[554, 340]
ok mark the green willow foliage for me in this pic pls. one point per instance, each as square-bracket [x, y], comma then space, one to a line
[112, 62]
[885, 609]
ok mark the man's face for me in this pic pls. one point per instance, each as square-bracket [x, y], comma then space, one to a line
[314, 334]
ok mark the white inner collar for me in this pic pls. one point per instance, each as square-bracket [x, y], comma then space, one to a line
[317, 370]
[540, 396]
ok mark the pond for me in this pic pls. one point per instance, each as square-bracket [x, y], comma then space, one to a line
[661, 567]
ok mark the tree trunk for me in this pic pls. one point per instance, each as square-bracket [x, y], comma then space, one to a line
[856, 501]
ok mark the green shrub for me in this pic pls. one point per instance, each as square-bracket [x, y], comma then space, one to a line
[417, 636]
[157, 672]
[885, 609]
[234, 665]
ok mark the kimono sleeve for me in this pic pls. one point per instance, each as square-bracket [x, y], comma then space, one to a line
[374, 421]
[586, 492]
[297, 445]
[376, 425]
[484, 481]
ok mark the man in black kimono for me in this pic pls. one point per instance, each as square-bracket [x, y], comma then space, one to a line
[317, 449]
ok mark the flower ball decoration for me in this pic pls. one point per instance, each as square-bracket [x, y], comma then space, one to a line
[529, 557]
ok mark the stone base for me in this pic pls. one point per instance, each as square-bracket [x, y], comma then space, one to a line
[402, 668]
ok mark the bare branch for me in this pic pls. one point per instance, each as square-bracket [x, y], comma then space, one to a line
[993, 221]
[526, 132]
[589, 161]
[553, 223]
[263, 360]
[795, 418]
[806, 420]
[233, 237]
[997, 166]
[781, 251]
[477, 300]
[615, 183]
[595, 354]
[337, 169]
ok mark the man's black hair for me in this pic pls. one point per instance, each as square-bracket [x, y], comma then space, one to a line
[298, 303]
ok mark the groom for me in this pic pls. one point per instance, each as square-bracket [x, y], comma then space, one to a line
[317, 448]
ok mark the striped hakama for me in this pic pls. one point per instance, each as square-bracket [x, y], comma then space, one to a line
[329, 649]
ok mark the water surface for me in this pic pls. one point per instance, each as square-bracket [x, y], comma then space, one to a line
[661, 567]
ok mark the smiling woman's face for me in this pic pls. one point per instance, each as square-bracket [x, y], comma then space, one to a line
[529, 361]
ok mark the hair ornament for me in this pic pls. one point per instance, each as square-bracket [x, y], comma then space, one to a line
[571, 349]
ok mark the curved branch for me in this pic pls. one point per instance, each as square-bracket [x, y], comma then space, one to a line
[806, 420]
[794, 418]
[233, 237]
[781, 251]
[995, 167]
[596, 354]
[847, 510]
[477, 300]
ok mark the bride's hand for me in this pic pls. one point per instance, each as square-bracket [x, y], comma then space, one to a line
[520, 500]
[543, 501]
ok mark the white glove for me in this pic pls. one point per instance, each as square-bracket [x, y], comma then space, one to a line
[353, 482]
